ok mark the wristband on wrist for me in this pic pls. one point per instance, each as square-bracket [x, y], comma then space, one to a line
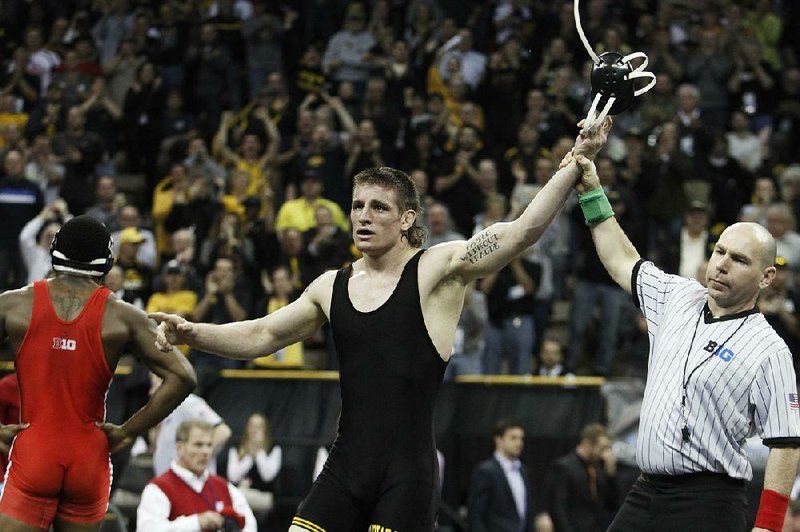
[595, 206]
[772, 510]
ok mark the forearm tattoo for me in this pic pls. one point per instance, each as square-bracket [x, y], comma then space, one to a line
[480, 246]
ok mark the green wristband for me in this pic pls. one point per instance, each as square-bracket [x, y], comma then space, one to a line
[595, 206]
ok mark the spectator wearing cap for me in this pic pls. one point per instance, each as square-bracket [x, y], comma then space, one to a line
[175, 298]
[346, 56]
[137, 277]
[299, 213]
[129, 217]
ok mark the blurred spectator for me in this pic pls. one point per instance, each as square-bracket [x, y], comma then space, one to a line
[103, 115]
[226, 297]
[143, 111]
[764, 195]
[199, 162]
[41, 61]
[456, 186]
[782, 225]
[192, 408]
[44, 168]
[787, 117]
[121, 70]
[593, 287]
[171, 499]
[752, 84]
[20, 201]
[196, 206]
[178, 129]
[108, 203]
[744, 146]
[17, 80]
[720, 179]
[175, 184]
[10, 116]
[584, 493]
[685, 255]
[324, 156]
[214, 76]
[115, 22]
[364, 150]
[36, 237]
[347, 55]
[250, 157]
[280, 293]
[440, 226]
[328, 243]
[551, 356]
[709, 68]
[510, 330]
[114, 280]
[176, 298]
[137, 276]
[779, 303]
[254, 464]
[129, 217]
[81, 151]
[74, 84]
[300, 213]
[500, 491]
[469, 341]
[294, 254]
[262, 33]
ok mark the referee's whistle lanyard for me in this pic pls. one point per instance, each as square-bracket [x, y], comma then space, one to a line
[685, 431]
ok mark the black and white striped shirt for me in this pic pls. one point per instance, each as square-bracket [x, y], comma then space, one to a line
[742, 381]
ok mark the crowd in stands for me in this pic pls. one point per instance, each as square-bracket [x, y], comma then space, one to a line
[245, 121]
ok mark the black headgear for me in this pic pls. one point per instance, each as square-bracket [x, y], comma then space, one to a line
[611, 77]
[83, 245]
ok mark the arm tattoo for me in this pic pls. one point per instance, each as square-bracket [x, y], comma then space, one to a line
[480, 246]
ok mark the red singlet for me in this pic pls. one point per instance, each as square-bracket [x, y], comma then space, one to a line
[60, 464]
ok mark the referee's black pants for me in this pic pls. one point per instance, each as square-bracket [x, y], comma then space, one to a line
[698, 502]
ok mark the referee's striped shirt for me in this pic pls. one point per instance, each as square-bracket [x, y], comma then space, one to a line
[744, 387]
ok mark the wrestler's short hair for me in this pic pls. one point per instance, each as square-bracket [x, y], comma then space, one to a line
[83, 245]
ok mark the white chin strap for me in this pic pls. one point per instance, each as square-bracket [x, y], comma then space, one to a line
[595, 118]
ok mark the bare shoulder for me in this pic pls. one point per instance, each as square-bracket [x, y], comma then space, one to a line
[18, 299]
[436, 263]
[321, 288]
[122, 311]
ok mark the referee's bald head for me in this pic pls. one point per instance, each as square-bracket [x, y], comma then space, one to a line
[757, 239]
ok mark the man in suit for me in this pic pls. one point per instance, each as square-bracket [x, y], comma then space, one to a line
[499, 495]
[584, 493]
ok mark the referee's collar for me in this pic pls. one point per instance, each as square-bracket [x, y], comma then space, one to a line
[708, 317]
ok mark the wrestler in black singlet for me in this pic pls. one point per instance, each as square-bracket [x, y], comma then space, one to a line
[382, 469]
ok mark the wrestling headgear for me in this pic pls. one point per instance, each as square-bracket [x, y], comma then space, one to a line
[83, 245]
[612, 80]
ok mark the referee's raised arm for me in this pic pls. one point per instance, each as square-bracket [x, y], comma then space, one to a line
[615, 250]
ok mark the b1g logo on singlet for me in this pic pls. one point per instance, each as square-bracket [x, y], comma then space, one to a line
[64, 344]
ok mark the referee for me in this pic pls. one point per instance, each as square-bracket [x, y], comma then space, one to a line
[717, 373]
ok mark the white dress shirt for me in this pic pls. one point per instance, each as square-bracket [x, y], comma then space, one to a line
[513, 471]
[267, 465]
[152, 515]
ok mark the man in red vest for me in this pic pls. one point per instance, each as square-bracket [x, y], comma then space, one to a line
[191, 497]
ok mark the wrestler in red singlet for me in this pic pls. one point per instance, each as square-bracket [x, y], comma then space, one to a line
[68, 334]
[63, 378]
